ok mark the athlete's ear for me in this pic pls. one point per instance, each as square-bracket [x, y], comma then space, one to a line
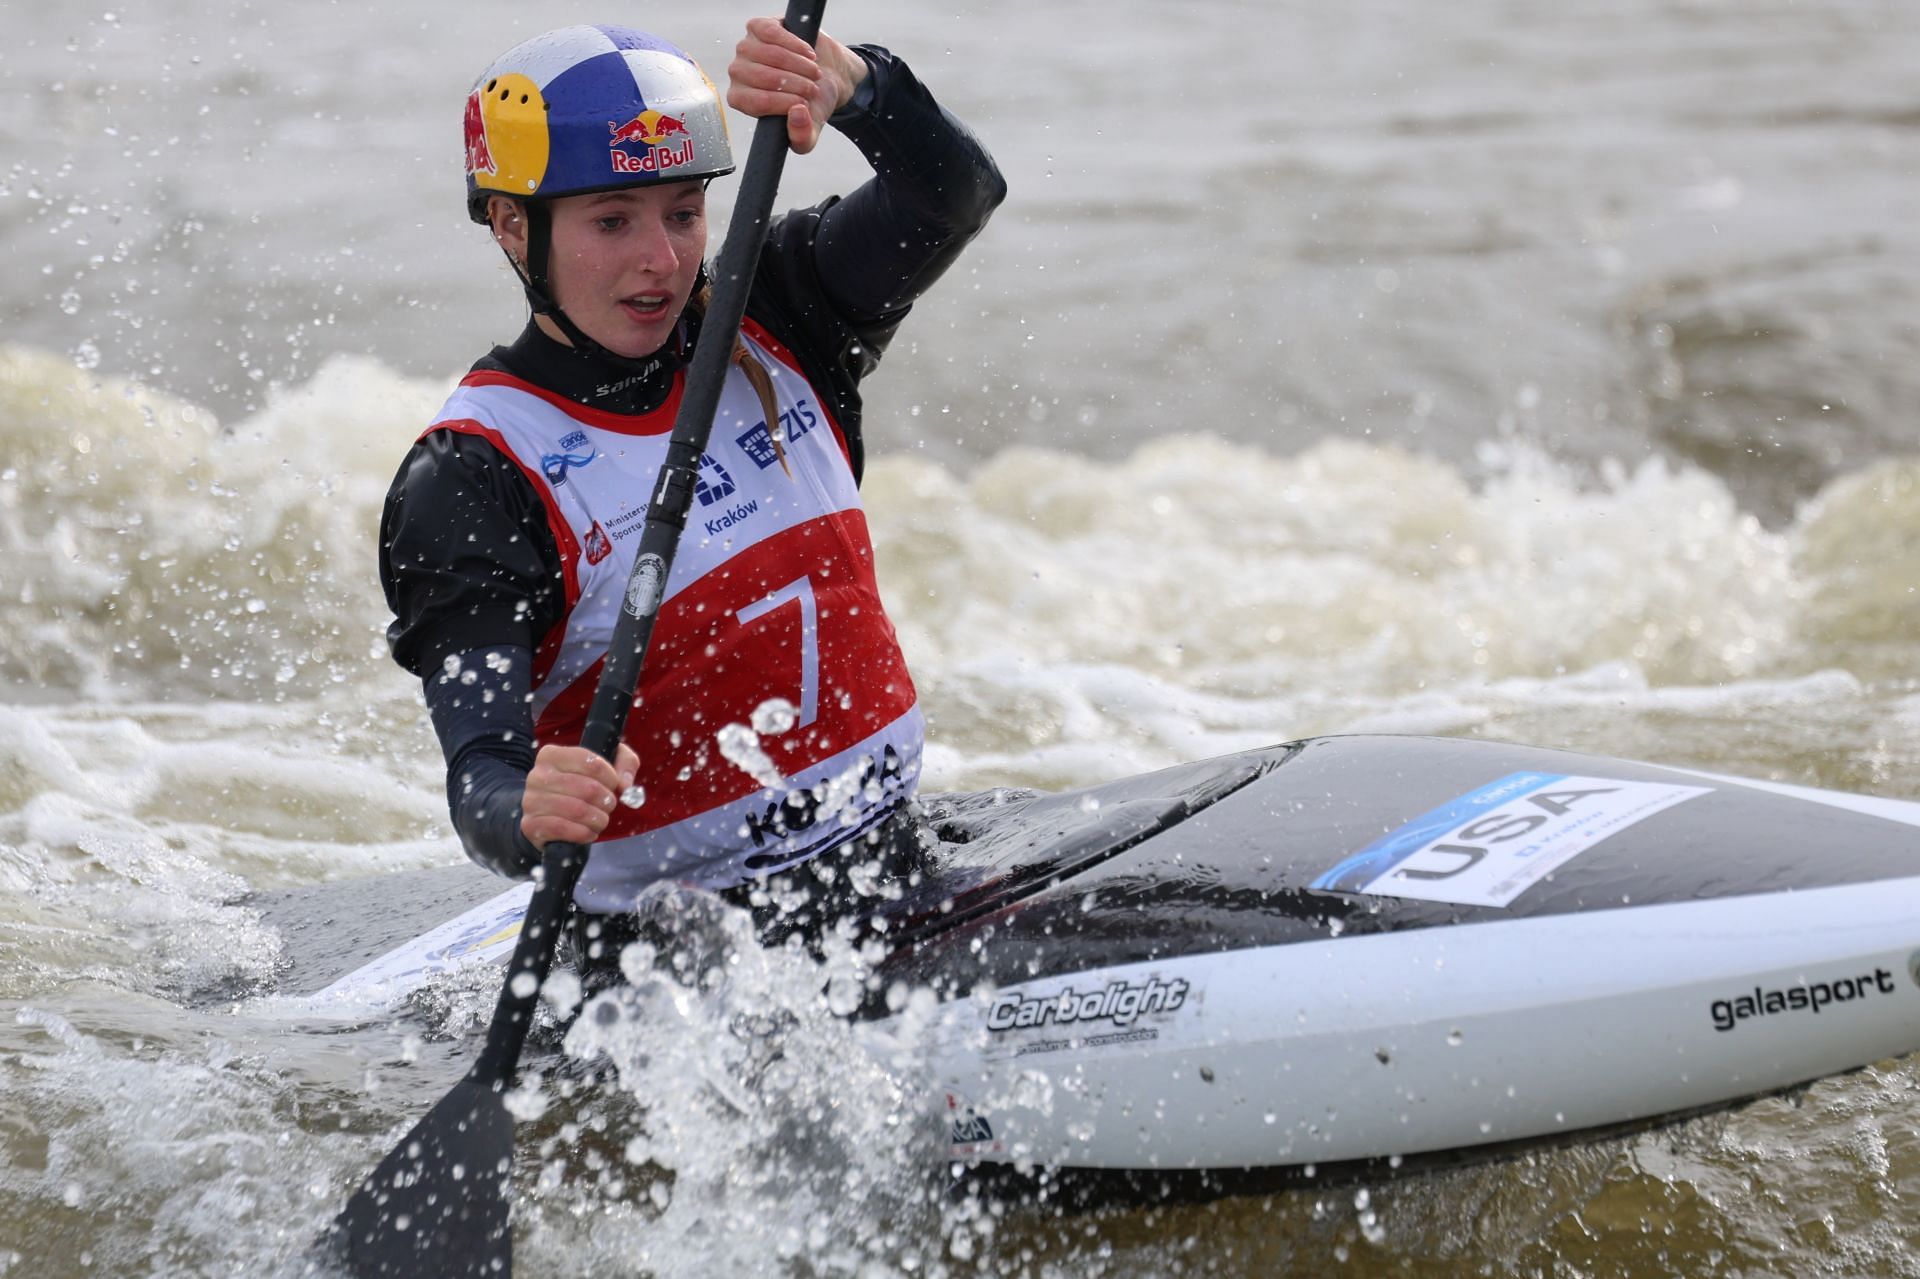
[509, 224]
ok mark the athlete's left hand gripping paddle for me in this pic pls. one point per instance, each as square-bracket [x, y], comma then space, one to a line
[438, 1203]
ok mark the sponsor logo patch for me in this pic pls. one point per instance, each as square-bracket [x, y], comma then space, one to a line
[651, 142]
[599, 545]
[644, 586]
[1119, 1004]
[794, 423]
[970, 1129]
[1728, 1013]
[479, 154]
[569, 457]
[800, 810]
[735, 516]
[714, 482]
[1490, 845]
[971, 1134]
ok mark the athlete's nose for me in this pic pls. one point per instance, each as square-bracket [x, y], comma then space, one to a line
[653, 248]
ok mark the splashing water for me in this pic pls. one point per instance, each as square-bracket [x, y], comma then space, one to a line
[736, 1097]
[774, 716]
[741, 747]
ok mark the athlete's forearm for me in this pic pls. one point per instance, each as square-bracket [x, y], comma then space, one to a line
[933, 189]
[481, 715]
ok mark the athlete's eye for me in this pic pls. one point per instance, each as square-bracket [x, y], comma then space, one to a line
[684, 217]
[612, 222]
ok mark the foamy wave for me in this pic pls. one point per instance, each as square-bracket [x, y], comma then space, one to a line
[1066, 619]
[156, 550]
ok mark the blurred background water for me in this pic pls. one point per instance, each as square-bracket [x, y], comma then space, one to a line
[1489, 369]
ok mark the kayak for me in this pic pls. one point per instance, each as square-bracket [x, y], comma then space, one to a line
[1365, 953]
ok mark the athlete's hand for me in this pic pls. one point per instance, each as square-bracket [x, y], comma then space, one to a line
[774, 72]
[571, 793]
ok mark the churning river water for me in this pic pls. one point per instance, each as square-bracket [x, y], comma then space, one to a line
[1529, 371]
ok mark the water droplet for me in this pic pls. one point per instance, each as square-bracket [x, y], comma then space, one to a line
[562, 993]
[775, 715]
[741, 747]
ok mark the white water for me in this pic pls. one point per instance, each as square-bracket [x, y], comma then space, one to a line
[203, 708]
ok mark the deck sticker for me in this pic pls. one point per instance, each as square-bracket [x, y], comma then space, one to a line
[1490, 845]
[1728, 1013]
[1081, 1015]
[971, 1134]
[487, 932]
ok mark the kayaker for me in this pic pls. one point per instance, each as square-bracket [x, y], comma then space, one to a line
[509, 532]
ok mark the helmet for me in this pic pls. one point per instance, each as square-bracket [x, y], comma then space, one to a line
[591, 109]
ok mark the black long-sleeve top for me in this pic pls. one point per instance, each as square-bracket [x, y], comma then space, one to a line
[467, 561]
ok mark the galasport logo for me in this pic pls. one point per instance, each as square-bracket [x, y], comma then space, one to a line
[1120, 1002]
[1728, 1013]
[655, 134]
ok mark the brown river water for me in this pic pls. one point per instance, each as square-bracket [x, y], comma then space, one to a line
[1494, 369]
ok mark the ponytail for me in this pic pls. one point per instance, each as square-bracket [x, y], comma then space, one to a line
[757, 376]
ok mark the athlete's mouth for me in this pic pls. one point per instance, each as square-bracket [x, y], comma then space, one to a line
[647, 306]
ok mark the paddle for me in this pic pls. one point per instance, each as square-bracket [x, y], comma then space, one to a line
[438, 1203]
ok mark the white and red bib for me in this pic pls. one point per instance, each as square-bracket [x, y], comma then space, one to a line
[772, 596]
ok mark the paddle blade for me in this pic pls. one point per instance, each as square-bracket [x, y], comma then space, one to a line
[437, 1204]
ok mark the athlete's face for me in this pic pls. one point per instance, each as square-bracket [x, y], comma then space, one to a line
[624, 262]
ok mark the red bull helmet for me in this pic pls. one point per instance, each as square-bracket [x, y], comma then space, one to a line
[591, 108]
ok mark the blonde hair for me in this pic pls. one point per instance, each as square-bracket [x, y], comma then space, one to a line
[757, 377]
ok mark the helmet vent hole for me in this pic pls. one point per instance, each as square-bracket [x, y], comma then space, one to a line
[505, 94]
[523, 99]
[490, 85]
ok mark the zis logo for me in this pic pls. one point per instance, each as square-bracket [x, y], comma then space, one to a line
[556, 465]
[794, 423]
[714, 482]
[654, 134]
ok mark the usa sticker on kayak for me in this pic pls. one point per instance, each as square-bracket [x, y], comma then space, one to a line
[1490, 845]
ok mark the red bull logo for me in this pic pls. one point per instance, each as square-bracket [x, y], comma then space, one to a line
[654, 132]
[479, 155]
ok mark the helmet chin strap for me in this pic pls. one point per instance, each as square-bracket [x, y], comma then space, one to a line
[533, 278]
